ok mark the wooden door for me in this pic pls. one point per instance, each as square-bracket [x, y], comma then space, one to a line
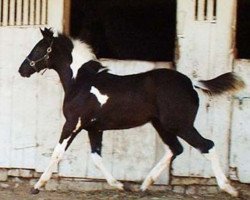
[205, 35]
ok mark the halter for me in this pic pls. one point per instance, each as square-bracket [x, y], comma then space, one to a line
[32, 63]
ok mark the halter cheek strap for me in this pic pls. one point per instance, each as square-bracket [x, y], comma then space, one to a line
[32, 63]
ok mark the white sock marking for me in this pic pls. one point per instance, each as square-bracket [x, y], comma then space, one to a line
[55, 158]
[218, 172]
[110, 179]
[102, 98]
[81, 54]
[157, 170]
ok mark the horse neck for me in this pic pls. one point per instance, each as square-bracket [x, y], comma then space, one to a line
[62, 61]
[70, 60]
[65, 75]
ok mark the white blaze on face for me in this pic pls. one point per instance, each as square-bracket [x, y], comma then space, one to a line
[102, 98]
[81, 54]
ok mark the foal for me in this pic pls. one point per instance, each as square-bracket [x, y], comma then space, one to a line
[96, 100]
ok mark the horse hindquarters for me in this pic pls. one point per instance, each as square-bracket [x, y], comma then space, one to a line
[177, 112]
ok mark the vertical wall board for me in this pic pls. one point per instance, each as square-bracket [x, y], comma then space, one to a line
[204, 53]
[20, 116]
[5, 101]
[24, 107]
[55, 13]
[194, 62]
[240, 139]
[24, 110]
[49, 116]
[17, 125]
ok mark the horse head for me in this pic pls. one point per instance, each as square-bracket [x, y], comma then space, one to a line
[40, 56]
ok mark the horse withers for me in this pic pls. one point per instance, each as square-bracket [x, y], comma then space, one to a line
[96, 100]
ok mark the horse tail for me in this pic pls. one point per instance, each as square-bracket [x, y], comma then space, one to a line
[228, 82]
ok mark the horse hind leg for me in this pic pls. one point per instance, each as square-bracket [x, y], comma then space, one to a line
[173, 148]
[206, 147]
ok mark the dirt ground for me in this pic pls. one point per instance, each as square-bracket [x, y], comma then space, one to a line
[20, 191]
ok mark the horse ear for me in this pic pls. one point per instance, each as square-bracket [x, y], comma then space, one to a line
[47, 33]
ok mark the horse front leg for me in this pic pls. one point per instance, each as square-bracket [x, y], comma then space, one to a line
[95, 138]
[70, 130]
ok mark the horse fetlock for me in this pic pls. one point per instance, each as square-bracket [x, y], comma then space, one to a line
[149, 181]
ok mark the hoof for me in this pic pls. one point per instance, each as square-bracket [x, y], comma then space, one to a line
[127, 187]
[34, 191]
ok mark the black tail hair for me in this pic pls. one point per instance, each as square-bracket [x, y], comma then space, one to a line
[228, 82]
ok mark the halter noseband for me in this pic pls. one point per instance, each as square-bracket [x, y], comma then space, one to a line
[32, 63]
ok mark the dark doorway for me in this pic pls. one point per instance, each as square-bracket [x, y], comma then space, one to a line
[243, 29]
[126, 29]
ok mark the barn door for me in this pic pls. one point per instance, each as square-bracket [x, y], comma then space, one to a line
[205, 36]
[20, 99]
[240, 139]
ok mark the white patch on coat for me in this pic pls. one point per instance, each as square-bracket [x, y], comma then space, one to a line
[81, 54]
[157, 170]
[110, 179]
[78, 125]
[55, 158]
[102, 98]
[218, 172]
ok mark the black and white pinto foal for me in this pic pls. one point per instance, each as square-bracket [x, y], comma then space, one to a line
[96, 100]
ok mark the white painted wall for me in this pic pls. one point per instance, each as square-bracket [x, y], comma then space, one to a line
[240, 137]
[31, 119]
